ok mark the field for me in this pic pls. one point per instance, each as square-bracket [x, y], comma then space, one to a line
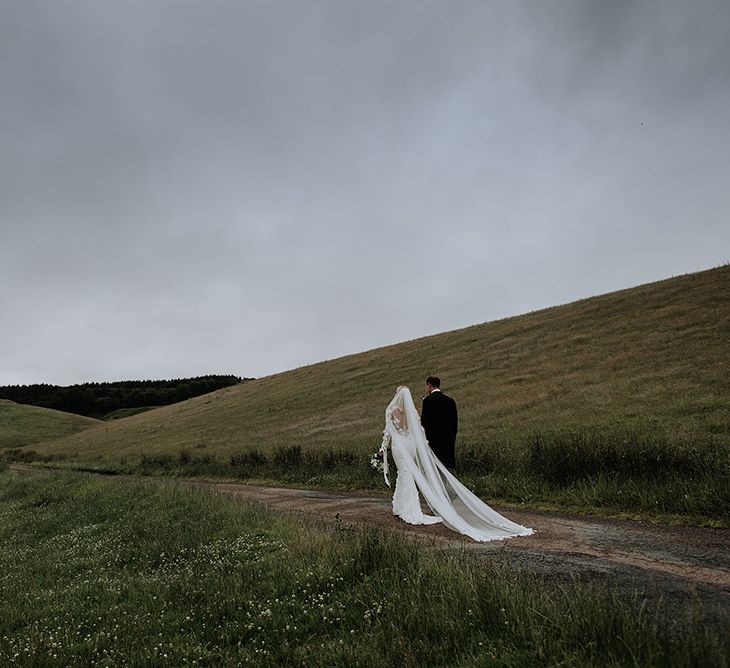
[617, 404]
[27, 425]
[135, 574]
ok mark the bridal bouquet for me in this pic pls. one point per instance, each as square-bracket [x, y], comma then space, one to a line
[376, 461]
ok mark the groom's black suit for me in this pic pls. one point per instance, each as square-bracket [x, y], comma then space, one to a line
[440, 422]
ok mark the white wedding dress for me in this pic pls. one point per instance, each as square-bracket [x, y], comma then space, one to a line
[420, 470]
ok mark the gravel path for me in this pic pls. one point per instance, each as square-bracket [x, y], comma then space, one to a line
[697, 554]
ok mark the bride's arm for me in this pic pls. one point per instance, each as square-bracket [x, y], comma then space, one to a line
[384, 449]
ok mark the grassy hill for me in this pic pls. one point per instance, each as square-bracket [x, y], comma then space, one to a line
[22, 425]
[633, 382]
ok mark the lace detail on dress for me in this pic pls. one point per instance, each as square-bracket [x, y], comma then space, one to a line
[397, 417]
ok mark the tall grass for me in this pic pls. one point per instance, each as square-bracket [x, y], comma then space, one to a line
[569, 457]
[96, 573]
[621, 472]
[338, 468]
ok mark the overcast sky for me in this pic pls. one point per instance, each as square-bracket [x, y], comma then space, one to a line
[247, 187]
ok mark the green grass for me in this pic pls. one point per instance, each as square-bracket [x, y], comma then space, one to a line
[128, 574]
[22, 425]
[619, 390]
[627, 479]
[126, 412]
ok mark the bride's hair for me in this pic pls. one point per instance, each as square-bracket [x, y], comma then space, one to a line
[434, 381]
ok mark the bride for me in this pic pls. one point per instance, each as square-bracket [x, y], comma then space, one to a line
[420, 470]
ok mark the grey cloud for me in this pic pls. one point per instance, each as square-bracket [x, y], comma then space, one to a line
[191, 187]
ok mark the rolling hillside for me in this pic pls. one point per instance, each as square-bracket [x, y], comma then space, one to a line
[649, 362]
[22, 425]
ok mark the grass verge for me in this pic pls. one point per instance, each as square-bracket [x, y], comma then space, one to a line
[96, 572]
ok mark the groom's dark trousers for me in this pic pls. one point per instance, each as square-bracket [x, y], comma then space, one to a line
[440, 421]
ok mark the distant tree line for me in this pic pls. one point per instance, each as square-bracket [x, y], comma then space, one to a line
[98, 399]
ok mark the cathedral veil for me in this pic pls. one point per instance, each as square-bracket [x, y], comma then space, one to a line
[457, 506]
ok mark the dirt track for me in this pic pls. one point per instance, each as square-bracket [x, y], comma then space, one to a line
[662, 560]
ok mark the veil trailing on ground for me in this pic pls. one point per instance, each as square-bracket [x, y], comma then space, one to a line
[420, 470]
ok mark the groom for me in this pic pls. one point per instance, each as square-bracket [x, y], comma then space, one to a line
[440, 422]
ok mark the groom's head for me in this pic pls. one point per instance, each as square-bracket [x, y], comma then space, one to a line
[433, 383]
